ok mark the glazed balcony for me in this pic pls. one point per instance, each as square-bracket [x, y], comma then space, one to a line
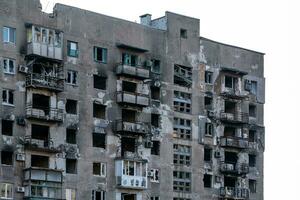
[234, 168]
[234, 193]
[140, 128]
[235, 117]
[234, 142]
[133, 71]
[44, 113]
[133, 98]
[47, 82]
[40, 145]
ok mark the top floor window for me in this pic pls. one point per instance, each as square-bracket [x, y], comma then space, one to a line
[129, 59]
[72, 49]
[100, 54]
[9, 35]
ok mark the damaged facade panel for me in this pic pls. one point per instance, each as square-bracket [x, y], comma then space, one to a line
[154, 113]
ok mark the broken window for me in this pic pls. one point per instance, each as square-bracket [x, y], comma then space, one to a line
[229, 131]
[8, 97]
[129, 86]
[231, 157]
[252, 185]
[182, 76]
[99, 111]
[252, 110]
[207, 180]
[72, 49]
[155, 148]
[181, 181]
[7, 127]
[230, 82]
[70, 194]
[252, 135]
[99, 169]
[207, 154]
[154, 175]
[230, 107]
[208, 103]
[6, 191]
[99, 140]
[208, 129]
[252, 160]
[71, 77]
[229, 181]
[9, 35]
[182, 128]
[127, 144]
[71, 166]
[155, 120]
[183, 33]
[6, 158]
[40, 132]
[129, 59]
[155, 93]
[8, 66]
[128, 115]
[99, 82]
[208, 77]
[99, 195]
[182, 154]
[155, 66]
[182, 102]
[71, 136]
[39, 161]
[41, 102]
[71, 106]
[100, 54]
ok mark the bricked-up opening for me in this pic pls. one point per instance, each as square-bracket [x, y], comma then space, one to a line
[207, 180]
[230, 82]
[252, 160]
[229, 181]
[207, 154]
[208, 103]
[40, 132]
[99, 140]
[71, 106]
[229, 131]
[129, 86]
[252, 110]
[71, 166]
[6, 158]
[39, 161]
[41, 102]
[127, 144]
[155, 120]
[128, 115]
[155, 148]
[155, 93]
[7, 127]
[230, 107]
[252, 185]
[99, 111]
[231, 157]
[252, 135]
[100, 82]
[182, 75]
[126, 196]
[71, 136]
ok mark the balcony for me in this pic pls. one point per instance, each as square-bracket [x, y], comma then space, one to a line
[40, 145]
[131, 174]
[234, 142]
[234, 193]
[232, 93]
[44, 113]
[235, 117]
[234, 168]
[47, 82]
[43, 183]
[141, 128]
[133, 98]
[133, 71]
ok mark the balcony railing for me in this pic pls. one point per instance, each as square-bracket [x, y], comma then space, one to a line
[44, 113]
[232, 92]
[40, 145]
[133, 71]
[133, 127]
[133, 98]
[234, 168]
[41, 81]
[234, 142]
[235, 117]
[234, 192]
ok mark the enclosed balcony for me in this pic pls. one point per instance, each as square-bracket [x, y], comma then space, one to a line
[141, 128]
[41, 81]
[133, 71]
[131, 174]
[234, 142]
[133, 98]
[43, 183]
[234, 168]
[234, 193]
[44, 113]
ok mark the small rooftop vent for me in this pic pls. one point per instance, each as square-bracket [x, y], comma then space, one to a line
[145, 19]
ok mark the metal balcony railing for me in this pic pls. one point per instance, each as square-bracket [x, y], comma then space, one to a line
[235, 117]
[44, 113]
[234, 168]
[133, 127]
[41, 81]
[133, 98]
[234, 192]
[40, 145]
[134, 71]
[234, 142]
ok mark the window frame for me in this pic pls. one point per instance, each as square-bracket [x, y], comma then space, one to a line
[104, 55]
[6, 70]
[182, 154]
[8, 93]
[102, 194]
[72, 52]
[9, 29]
[102, 169]
[6, 185]
[73, 77]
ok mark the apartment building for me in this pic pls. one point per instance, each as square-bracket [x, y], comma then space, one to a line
[95, 107]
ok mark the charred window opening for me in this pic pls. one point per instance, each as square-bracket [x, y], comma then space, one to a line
[155, 66]
[208, 77]
[229, 131]
[40, 132]
[207, 180]
[155, 148]
[231, 157]
[71, 106]
[229, 181]
[129, 86]
[129, 59]
[71, 136]
[126, 196]
[252, 160]
[128, 115]
[99, 111]
[207, 154]
[182, 154]
[208, 129]
[252, 135]
[182, 128]
[252, 110]
[182, 76]
[230, 82]
[41, 102]
[208, 103]
[71, 166]
[252, 185]
[155, 93]
[99, 140]
[155, 120]
[39, 161]
[128, 145]
[230, 107]
[6, 158]
[7, 127]
[183, 33]
[182, 102]
[100, 82]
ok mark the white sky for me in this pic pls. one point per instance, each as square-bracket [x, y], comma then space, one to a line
[262, 25]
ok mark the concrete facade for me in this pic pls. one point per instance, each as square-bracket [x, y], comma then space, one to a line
[156, 112]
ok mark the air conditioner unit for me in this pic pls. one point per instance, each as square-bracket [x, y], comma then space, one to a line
[148, 144]
[217, 154]
[20, 157]
[20, 189]
[150, 173]
[23, 69]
